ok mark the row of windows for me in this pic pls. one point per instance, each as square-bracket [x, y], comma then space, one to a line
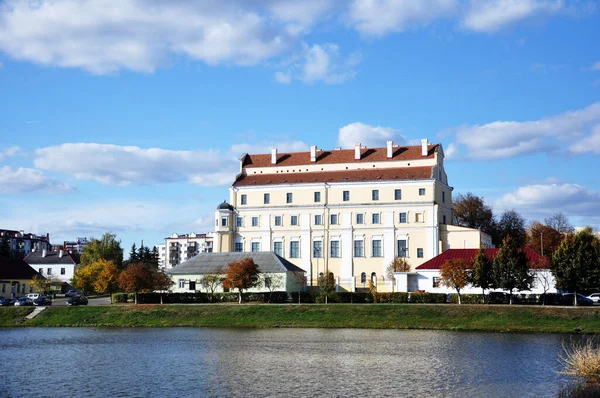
[289, 197]
[318, 219]
[334, 248]
[62, 271]
[16, 288]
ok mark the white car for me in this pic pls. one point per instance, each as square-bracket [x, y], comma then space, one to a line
[595, 297]
[33, 296]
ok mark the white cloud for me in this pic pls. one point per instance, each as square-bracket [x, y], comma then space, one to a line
[19, 180]
[380, 17]
[502, 139]
[320, 63]
[9, 151]
[451, 151]
[367, 135]
[595, 66]
[299, 15]
[542, 200]
[591, 143]
[493, 15]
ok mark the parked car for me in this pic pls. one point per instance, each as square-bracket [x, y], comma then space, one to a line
[595, 297]
[77, 300]
[581, 299]
[42, 300]
[71, 293]
[33, 296]
[24, 301]
[7, 302]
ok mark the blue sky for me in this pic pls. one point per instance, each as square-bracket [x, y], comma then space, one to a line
[129, 116]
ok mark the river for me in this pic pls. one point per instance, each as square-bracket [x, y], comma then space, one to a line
[190, 362]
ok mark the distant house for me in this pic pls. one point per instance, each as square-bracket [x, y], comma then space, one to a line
[21, 243]
[16, 277]
[426, 277]
[59, 265]
[187, 276]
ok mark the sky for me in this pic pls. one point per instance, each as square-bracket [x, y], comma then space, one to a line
[130, 116]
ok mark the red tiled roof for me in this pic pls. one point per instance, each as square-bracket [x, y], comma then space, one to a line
[339, 156]
[535, 260]
[404, 173]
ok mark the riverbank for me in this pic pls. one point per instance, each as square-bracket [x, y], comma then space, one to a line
[376, 316]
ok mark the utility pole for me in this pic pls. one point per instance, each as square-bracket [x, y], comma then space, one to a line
[542, 242]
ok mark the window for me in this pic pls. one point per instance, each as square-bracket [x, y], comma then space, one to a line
[238, 247]
[420, 252]
[317, 249]
[181, 283]
[63, 271]
[444, 218]
[288, 197]
[278, 221]
[421, 191]
[375, 218]
[436, 281]
[255, 246]
[278, 248]
[267, 198]
[374, 277]
[244, 199]
[418, 217]
[397, 194]
[49, 271]
[223, 221]
[239, 221]
[443, 196]
[402, 218]
[376, 248]
[41, 270]
[192, 285]
[363, 278]
[335, 249]
[375, 194]
[346, 196]
[318, 219]
[333, 219]
[317, 197]
[294, 220]
[295, 249]
[359, 248]
[360, 218]
[402, 248]
[255, 221]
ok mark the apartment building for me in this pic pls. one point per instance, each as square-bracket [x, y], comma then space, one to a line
[181, 247]
[348, 212]
[21, 243]
[76, 246]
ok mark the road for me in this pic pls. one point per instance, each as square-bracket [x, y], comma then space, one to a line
[62, 301]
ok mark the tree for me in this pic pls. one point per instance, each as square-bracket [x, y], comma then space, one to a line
[511, 224]
[107, 280]
[137, 278]
[559, 222]
[86, 276]
[326, 285]
[107, 247]
[272, 282]
[511, 268]
[471, 211]
[133, 255]
[5, 246]
[41, 284]
[454, 273]
[154, 257]
[542, 239]
[576, 262]
[161, 282]
[300, 279]
[482, 273]
[241, 275]
[398, 264]
[212, 280]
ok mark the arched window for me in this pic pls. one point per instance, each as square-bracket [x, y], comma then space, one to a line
[374, 278]
[363, 278]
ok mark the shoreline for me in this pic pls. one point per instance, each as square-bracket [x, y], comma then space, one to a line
[490, 318]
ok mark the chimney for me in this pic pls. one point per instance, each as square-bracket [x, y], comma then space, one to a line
[357, 150]
[424, 149]
[44, 253]
[313, 153]
[390, 150]
[60, 254]
[274, 156]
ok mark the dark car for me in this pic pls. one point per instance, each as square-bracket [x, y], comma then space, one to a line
[24, 301]
[71, 293]
[77, 300]
[7, 302]
[42, 300]
[567, 299]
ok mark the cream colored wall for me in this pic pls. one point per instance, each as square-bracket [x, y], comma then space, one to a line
[6, 287]
[288, 283]
[455, 237]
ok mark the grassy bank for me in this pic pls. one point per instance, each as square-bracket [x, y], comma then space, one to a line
[380, 316]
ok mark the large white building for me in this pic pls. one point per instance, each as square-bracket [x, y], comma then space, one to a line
[56, 265]
[181, 247]
[347, 212]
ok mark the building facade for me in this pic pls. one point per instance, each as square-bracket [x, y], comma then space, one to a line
[58, 266]
[181, 247]
[76, 246]
[16, 277]
[346, 212]
[21, 243]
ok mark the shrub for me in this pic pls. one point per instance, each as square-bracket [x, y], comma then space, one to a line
[424, 297]
[396, 298]
[119, 297]
[579, 390]
[582, 360]
[466, 298]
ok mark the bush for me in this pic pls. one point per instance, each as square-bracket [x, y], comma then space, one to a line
[466, 298]
[395, 298]
[579, 390]
[426, 298]
[119, 297]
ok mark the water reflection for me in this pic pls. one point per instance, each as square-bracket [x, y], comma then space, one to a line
[187, 362]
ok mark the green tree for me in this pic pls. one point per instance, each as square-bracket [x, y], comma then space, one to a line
[454, 273]
[511, 224]
[133, 255]
[107, 247]
[576, 262]
[326, 285]
[241, 275]
[154, 258]
[482, 272]
[5, 246]
[511, 268]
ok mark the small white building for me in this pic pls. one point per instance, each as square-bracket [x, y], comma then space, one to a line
[54, 265]
[162, 255]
